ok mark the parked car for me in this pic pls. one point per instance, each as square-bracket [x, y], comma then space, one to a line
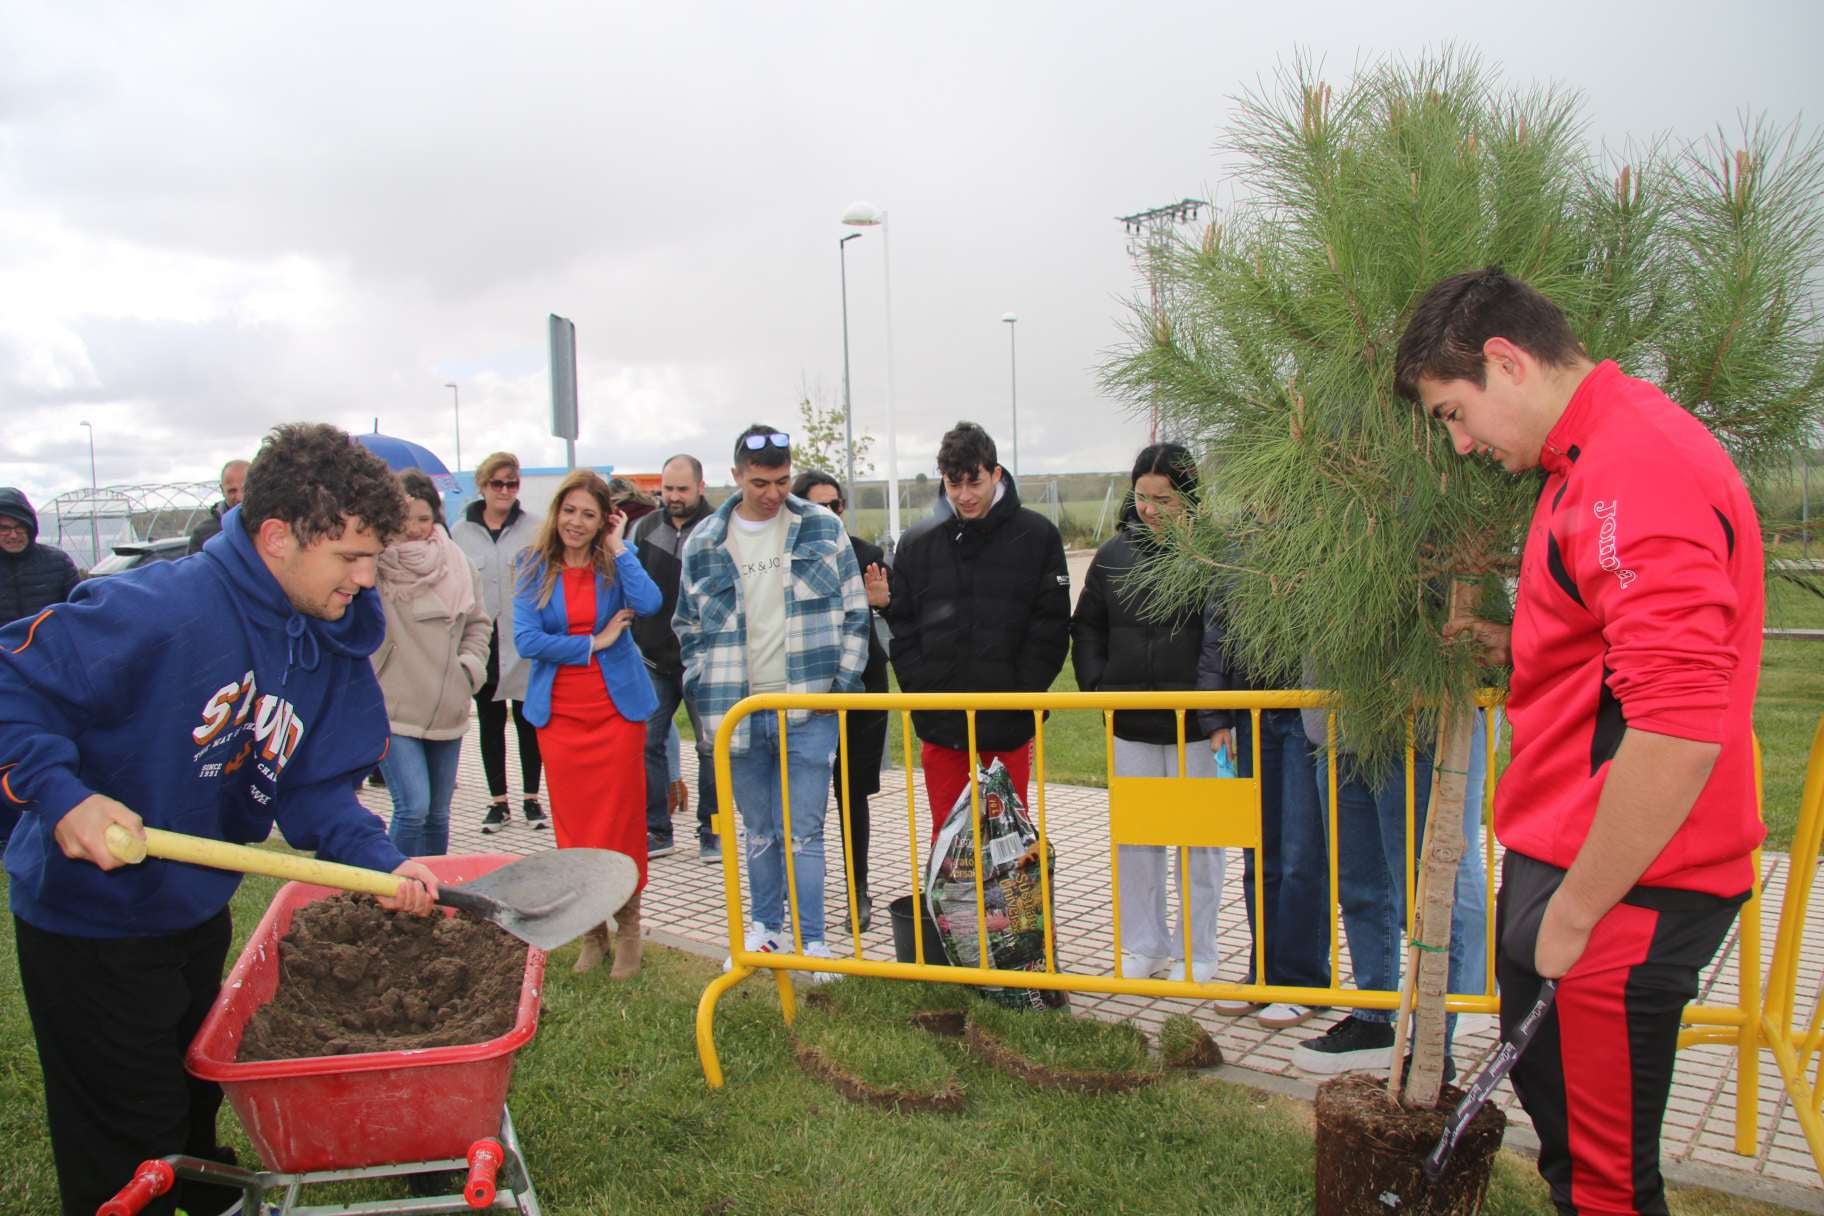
[140, 553]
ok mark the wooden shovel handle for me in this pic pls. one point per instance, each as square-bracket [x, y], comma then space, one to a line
[220, 855]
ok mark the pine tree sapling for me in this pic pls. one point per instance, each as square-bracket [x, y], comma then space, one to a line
[1338, 515]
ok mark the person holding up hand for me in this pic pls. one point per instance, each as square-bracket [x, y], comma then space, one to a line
[578, 588]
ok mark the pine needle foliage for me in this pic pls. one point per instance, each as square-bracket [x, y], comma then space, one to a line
[1335, 513]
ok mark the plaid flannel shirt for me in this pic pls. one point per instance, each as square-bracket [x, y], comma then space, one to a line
[826, 615]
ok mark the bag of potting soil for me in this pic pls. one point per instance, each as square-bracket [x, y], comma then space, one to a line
[1012, 896]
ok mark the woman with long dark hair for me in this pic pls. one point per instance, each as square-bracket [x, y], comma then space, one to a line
[578, 588]
[1118, 646]
[433, 659]
[494, 531]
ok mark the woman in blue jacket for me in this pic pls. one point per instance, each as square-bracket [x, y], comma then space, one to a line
[577, 589]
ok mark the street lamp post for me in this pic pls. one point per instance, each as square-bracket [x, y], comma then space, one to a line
[456, 409]
[1013, 385]
[866, 215]
[94, 493]
[848, 409]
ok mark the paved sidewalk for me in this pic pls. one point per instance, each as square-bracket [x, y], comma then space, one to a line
[684, 903]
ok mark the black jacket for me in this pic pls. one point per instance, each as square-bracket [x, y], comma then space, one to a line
[1115, 647]
[661, 549]
[979, 606]
[211, 526]
[40, 576]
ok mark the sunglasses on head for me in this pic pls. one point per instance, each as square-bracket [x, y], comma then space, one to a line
[776, 439]
[503, 483]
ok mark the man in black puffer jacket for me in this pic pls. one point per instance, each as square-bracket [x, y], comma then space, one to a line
[32, 576]
[980, 603]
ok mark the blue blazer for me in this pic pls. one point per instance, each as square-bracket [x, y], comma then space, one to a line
[543, 636]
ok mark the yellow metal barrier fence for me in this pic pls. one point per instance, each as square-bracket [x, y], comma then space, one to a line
[1226, 813]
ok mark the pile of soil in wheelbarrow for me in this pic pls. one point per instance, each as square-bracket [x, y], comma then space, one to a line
[354, 977]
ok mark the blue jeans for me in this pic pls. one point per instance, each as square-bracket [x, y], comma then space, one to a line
[1371, 871]
[421, 776]
[669, 687]
[1294, 856]
[811, 748]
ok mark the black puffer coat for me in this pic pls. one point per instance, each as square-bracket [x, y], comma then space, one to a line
[1114, 647]
[37, 578]
[979, 605]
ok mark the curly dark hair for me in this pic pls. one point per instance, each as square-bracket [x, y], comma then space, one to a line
[311, 474]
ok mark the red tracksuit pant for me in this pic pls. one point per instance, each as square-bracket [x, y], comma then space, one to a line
[947, 775]
[1597, 1074]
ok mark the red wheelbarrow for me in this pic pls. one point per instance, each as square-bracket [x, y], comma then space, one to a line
[367, 1115]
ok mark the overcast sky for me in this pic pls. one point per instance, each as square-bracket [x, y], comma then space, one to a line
[215, 218]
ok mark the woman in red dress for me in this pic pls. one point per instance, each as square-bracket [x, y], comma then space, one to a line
[577, 588]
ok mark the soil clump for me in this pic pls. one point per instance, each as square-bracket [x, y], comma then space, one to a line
[354, 977]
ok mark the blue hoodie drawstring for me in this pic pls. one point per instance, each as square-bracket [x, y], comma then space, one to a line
[305, 656]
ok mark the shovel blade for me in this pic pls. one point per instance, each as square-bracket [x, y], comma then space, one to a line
[554, 897]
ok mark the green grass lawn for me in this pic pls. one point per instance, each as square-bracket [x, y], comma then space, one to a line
[615, 1117]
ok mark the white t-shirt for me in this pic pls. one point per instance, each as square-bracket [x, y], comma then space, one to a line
[759, 553]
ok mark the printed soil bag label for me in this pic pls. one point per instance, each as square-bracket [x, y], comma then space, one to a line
[1011, 894]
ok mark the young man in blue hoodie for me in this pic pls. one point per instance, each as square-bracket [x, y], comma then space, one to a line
[212, 696]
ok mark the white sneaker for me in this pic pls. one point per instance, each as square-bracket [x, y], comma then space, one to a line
[1202, 972]
[760, 940]
[819, 950]
[1281, 1015]
[1141, 966]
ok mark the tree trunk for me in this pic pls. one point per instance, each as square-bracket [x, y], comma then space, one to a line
[1428, 960]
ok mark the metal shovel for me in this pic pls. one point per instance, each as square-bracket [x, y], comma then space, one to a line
[546, 899]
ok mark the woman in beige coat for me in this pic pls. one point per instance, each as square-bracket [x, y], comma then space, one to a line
[433, 659]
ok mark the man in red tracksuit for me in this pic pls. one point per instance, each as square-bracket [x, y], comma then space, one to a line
[1629, 810]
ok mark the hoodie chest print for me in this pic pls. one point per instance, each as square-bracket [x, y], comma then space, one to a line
[267, 727]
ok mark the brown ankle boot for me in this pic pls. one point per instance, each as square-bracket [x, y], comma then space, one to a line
[595, 949]
[626, 940]
[677, 798]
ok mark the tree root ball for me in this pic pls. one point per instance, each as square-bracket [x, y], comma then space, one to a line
[1371, 1150]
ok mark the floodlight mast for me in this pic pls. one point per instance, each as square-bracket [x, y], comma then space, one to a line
[1146, 232]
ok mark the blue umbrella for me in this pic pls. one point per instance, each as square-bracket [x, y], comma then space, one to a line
[402, 454]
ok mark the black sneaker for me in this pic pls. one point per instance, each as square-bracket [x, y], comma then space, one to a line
[495, 819]
[535, 814]
[709, 850]
[659, 848]
[1352, 1045]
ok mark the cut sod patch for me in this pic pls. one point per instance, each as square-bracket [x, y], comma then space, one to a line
[886, 1062]
[1186, 1044]
[1058, 1051]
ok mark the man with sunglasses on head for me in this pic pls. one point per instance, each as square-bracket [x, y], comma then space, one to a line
[770, 600]
[659, 539]
[865, 741]
[980, 603]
